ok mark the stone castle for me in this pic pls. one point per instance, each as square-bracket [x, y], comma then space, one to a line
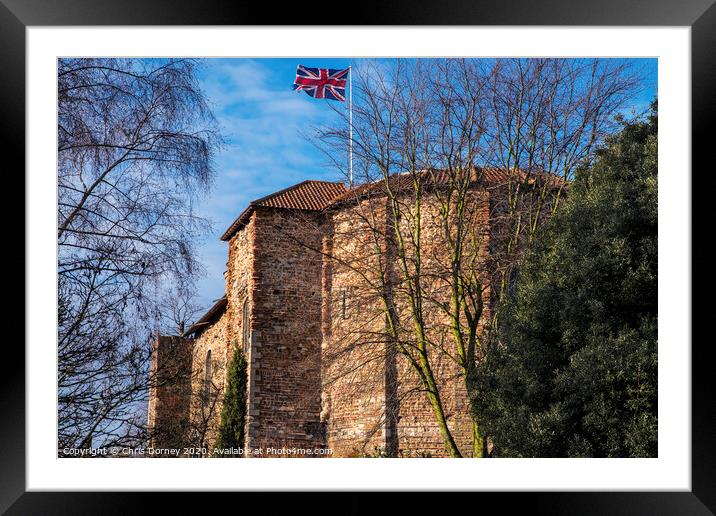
[297, 304]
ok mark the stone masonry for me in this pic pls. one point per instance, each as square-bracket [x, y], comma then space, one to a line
[298, 301]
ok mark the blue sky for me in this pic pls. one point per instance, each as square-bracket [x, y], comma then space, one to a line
[265, 122]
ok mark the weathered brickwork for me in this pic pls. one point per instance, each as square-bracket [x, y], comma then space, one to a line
[210, 358]
[354, 347]
[306, 299]
[286, 329]
[170, 392]
[239, 278]
[417, 426]
[240, 288]
[358, 366]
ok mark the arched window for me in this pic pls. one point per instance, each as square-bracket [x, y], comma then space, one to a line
[206, 391]
[245, 329]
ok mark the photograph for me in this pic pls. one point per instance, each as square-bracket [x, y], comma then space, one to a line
[359, 257]
[427, 233]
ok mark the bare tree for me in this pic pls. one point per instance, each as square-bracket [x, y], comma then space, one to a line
[437, 256]
[177, 308]
[205, 416]
[136, 143]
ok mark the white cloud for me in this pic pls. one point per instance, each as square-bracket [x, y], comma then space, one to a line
[263, 121]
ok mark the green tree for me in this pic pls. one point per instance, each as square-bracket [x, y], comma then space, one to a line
[573, 370]
[233, 412]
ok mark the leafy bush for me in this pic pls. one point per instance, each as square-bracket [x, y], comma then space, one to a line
[573, 372]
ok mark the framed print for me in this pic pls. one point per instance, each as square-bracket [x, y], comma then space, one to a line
[457, 238]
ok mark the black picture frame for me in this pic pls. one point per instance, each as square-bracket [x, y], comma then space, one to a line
[700, 15]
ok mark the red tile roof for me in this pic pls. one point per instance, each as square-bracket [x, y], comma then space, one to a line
[319, 195]
[307, 196]
[487, 176]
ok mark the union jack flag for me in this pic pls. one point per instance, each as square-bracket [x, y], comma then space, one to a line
[321, 83]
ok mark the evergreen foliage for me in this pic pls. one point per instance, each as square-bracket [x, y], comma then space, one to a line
[233, 412]
[573, 371]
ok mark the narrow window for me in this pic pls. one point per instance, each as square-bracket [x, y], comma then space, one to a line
[206, 391]
[245, 330]
[344, 314]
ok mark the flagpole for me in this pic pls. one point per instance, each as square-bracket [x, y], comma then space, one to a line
[350, 123]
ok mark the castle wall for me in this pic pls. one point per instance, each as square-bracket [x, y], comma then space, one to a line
[207, 397]
[321, 371]
[354, 348]
[376, 399]
[286, 330]
[170, 392]
[239, 278]
[240, 286]
[271, 268]
[219, 338]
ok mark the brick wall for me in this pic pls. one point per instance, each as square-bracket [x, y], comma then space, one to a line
[218, 338]
[321, 370]
[354, 349]
[286, 330]
[240, 285]
[170, 392]
[210, 355]
[376, 400]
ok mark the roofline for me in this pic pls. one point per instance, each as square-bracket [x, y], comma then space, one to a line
[238, 223]
[218, 308]
[245, 215]
[242, 219]
[480, 182]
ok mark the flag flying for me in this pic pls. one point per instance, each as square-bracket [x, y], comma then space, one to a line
[321, 83]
